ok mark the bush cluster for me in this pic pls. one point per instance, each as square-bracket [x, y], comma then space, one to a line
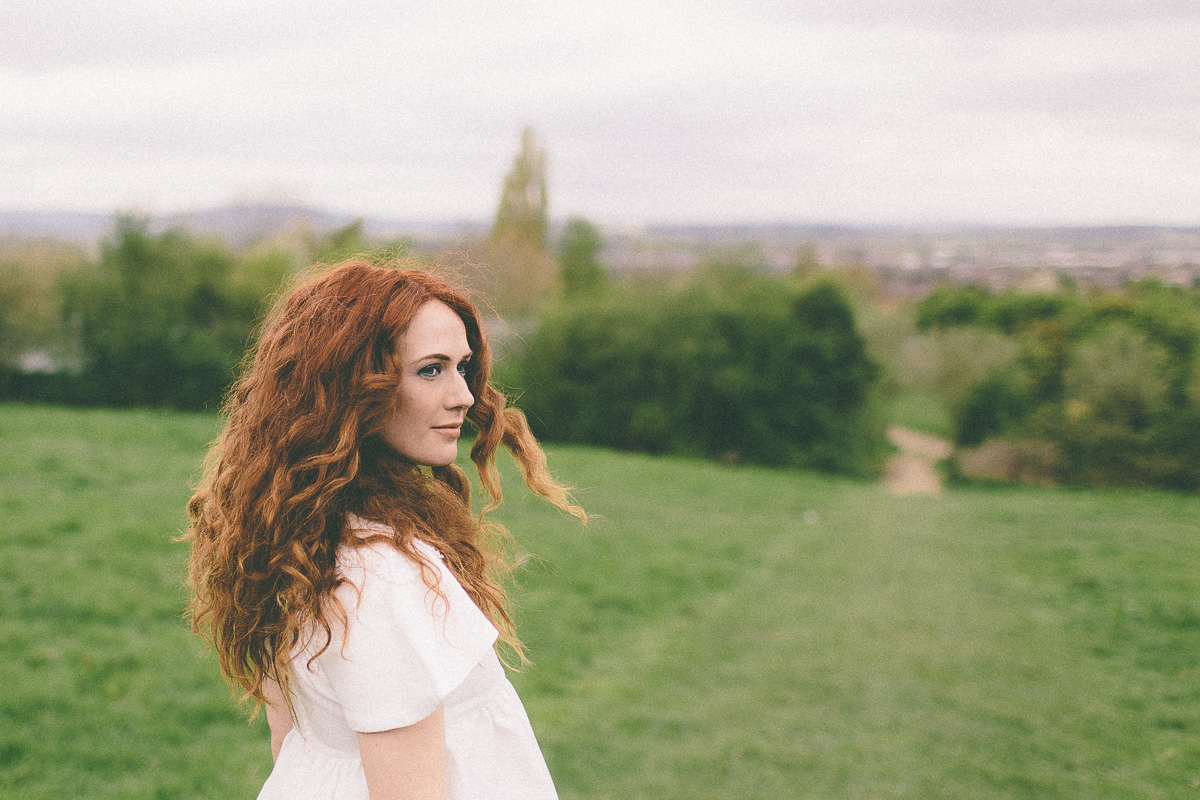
[156, 319]
[1108, 379]
[735, 366]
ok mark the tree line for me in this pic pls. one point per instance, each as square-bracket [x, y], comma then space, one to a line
[727, 362]
[1095, 388]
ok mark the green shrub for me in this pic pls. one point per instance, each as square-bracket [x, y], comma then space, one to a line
[958, 358]
[1013, 312]
[735, 366]
[1009, 312]
[1043, 353]
[162, 319]
[1118, 375]
[579, 269]
[996, 405]
[1107, 381]
[952, 306]
[1175, 447]
[1170, 318]
[29, 304]
[1098, 452]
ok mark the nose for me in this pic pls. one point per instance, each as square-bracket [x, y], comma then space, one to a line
[460, 395]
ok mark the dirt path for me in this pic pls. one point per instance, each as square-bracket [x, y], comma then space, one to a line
[911, 471]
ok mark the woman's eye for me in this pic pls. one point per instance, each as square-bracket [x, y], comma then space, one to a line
[431, 371]
[462, 368]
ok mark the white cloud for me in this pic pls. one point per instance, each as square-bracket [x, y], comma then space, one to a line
[1083, 111]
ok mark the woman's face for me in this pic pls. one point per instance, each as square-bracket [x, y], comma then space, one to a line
[433, 395]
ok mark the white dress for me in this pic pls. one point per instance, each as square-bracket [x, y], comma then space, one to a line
[406, 652]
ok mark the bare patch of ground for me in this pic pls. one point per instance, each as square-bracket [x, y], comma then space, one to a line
[912, 470]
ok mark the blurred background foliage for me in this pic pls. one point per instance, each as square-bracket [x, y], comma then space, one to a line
[729, 360]
[1098, 388]
[734, 365]
[161, 320]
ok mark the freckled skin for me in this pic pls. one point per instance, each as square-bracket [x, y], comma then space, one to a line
[433, 394]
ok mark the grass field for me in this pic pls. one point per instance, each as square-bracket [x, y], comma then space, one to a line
[723, 632]
[921, 411]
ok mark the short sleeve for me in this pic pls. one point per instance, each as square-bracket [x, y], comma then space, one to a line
[406, 648]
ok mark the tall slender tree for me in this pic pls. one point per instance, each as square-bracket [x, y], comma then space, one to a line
[521, 270]
[523, 203]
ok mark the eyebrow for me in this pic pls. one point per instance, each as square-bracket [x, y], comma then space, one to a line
[441, 357]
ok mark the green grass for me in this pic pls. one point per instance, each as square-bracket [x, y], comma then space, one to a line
[921, 410]
[722, 632]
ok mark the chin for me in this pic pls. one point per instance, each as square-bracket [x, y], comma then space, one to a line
[426, 454]
[439, 460]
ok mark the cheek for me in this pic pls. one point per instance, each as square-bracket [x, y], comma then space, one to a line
[404, 408]
[414, 402]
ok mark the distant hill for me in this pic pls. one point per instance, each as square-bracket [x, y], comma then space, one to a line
[910, 258]
[71, 226]
[237, 224]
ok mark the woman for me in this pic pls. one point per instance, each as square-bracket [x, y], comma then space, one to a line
[336, 564]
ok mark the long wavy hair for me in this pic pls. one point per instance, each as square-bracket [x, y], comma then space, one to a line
[302, 449]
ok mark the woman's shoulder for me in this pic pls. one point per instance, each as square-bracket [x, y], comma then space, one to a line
[358, 561]
[364, 528]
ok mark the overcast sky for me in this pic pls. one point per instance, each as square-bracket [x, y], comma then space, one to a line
[927, 111]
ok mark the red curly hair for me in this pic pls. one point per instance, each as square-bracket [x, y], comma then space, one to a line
[302, 449]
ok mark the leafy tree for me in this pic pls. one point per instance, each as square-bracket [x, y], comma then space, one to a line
[578, 258]
[342, 243]
[948, 306]
[17, 296]
[1044, 353]
[997, 404]
[1117, 374]
[520, 270]
[29, 302]
[160, 319]
[1013, 312]
[733, 367]
[523, 202]
[1170, 318]
[1106, 380]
